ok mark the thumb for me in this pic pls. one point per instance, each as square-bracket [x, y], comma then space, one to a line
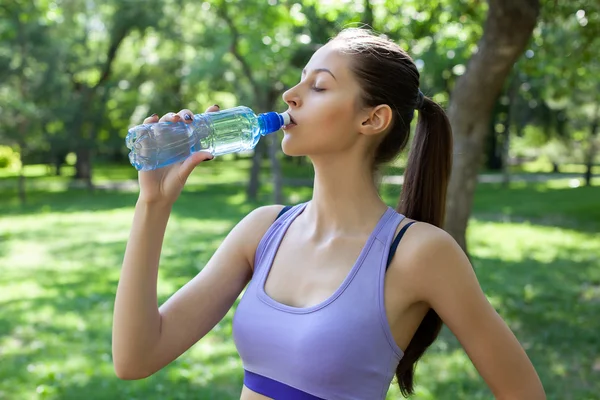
[192, 162]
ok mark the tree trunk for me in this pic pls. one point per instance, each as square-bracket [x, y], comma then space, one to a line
[494, 143]
[591, 154]
[21, 185]
[22, 120]
[272, 97]
[513, 90]
[505, 145]
[266, 96]
[506, 154]
[277, 176]
[555, 168]
[508, 27]
[57, 167]
[83, 163]
[83, 166]
[254, 183]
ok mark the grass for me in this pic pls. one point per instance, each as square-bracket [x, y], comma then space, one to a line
[535, 248]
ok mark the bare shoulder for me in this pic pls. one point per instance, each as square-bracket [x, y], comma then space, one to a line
[260, 219]
[423, 242]
[428, 256]
[264, 215]
[253, 227]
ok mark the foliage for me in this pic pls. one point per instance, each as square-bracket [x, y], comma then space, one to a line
[171, 54]
[558, 86]
[9, 158]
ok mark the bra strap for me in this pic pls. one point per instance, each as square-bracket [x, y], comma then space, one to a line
[283, 211]
[396, 242]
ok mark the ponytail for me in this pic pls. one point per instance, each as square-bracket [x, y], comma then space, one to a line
[423, 198]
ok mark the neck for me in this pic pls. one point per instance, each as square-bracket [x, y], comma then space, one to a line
[345, 197]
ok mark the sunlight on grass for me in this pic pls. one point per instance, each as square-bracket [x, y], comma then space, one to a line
[518, 242]
[544, 165]
[535, 250]
[60, 271]
[30, 171]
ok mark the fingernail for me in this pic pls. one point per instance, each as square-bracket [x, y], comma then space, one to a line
[187, 117]
[154, 115]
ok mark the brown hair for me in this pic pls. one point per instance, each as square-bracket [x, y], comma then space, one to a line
[388, 75]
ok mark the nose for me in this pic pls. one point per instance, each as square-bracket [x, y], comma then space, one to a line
[291, 97]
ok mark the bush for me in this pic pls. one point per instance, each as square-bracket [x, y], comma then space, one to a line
[9, 158]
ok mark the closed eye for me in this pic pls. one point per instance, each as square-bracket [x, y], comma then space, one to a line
[316, 89]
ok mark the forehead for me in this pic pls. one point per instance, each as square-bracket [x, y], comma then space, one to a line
[330, 57]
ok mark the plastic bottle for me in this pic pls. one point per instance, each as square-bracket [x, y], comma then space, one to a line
[236, 129]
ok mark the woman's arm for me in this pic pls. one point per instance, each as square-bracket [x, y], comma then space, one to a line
[446, 281]
[146, 338]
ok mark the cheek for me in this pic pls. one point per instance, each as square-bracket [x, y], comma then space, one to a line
[334, 115]
[333, 121]
[329, 130]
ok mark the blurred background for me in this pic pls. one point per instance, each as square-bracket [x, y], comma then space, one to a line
[520, 80]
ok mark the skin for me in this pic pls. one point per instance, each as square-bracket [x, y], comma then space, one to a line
[429, 269]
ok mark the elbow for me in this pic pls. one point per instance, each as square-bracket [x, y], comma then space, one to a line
[126, 373]
[129, 371]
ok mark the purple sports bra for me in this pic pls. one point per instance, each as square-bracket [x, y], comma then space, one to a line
[340, 349]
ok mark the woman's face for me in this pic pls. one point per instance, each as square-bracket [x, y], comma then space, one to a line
[324, 106]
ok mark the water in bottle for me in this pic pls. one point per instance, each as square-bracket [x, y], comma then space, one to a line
[236, 129]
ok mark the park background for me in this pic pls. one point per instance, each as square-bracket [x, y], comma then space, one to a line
[520, 80]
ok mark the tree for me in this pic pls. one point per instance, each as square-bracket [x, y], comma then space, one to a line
[89, 79]
[26, 77]
[269, 52]
[507, 30]
[265, 98]
[564, 68]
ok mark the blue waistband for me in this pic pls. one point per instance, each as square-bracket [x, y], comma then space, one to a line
[274, 389]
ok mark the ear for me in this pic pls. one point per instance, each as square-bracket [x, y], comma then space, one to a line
[377, 120]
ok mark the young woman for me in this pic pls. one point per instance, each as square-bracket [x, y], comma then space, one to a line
[335, 303]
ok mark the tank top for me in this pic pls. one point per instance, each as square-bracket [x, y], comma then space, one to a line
[339, 349]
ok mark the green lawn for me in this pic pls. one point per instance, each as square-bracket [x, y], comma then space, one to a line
[535, 247]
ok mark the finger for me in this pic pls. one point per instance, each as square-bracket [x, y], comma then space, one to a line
[214, 108]
[186, 115]
[151, 119]
[192, 162]
[170, 117]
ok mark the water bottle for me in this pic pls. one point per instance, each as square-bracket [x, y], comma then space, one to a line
[236, 129]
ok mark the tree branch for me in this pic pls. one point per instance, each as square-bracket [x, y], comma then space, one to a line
[110, 58]
[222, 12]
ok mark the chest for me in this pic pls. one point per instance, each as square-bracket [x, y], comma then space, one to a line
[306, 272]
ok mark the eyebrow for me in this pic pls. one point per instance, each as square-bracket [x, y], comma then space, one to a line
[321, 70]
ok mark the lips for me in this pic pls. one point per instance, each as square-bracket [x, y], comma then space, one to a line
[291, 124]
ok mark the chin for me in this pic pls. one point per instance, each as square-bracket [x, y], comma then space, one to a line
[291, 147]
[295, 145]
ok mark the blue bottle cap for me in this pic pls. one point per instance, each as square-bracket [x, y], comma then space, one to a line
[271, 122]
